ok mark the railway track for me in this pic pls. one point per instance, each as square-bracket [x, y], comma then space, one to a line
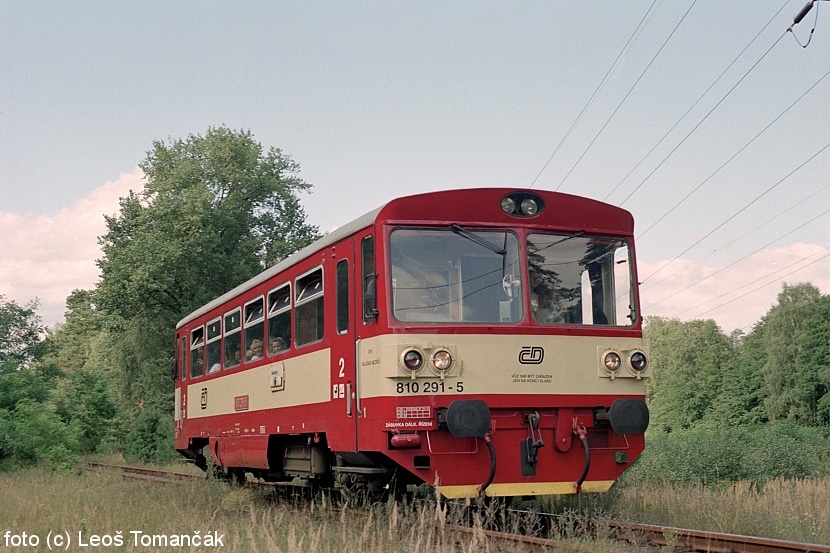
[639, 535]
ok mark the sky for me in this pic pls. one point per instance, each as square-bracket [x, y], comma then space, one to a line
[380, 99]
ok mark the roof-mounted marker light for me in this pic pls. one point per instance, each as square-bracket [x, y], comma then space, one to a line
[530, 207]
[522, 204]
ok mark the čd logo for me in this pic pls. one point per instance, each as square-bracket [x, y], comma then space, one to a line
[531, 355]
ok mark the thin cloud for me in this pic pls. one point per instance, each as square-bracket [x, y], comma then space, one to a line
[48, 256]
[738, 297]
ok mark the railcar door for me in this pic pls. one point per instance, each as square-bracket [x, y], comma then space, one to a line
[343, 415]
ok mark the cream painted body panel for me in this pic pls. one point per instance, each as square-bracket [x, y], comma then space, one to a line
[490, 364]
[305, 379]
[178, 405]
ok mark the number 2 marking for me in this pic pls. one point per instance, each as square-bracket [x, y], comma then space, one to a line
[342, 363]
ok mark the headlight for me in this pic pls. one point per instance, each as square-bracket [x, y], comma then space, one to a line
[612, 361]
[412, 359]
[530, 207]
[523, 204]
[441, 360]
[638, 361]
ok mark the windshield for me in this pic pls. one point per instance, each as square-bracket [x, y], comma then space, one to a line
[576, 279]
[455, 275]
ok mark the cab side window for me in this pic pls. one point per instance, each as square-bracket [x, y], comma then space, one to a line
[309, 307]
[197, 352]
[279, 319]
[342, 296]
[183, 357]
[369, 277]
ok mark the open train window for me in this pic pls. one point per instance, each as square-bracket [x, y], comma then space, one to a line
[254, 329]
[309, 307]
[197, 352]
[279, 319]
[233, 338]
[214, 345]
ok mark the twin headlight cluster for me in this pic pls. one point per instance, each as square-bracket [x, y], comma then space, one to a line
[439, 360]
[522, 204]
[613, 361]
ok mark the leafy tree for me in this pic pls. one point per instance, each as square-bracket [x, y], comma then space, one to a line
[84, 400]
[30, 433]
[813, 387]
[691, 360]
[151, 436]
[17, 385]
[741, 399]
[784, 327]
[73, 342]
[20, 334]
[215, 211]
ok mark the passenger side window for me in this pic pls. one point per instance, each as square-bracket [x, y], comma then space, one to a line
[197, 352]
[342, 296]
[254, 330]
[309, 307]
[279, 319]
[214, 346]
[233, 339]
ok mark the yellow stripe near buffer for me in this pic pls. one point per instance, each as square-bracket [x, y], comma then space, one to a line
[525, 488]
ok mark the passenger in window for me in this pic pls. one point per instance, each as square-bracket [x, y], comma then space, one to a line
[198, 363]
[215, 368]
[275, 345]
[257, 350]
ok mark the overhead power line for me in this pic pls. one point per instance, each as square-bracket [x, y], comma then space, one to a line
[705, 92]
[744, 147]
[705, 117]
[602, 83]
[630, 90]
[707, 277]
[739, 238]
[758, 280]
[764, 193]
[763, 286]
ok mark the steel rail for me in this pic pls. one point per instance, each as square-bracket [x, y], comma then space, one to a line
[701, 540]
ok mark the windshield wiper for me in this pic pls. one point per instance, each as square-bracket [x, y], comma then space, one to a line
[461, 231]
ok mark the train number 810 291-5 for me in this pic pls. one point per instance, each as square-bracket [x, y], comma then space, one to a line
[429, 387]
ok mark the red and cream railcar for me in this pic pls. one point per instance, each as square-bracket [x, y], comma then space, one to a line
[481, 341]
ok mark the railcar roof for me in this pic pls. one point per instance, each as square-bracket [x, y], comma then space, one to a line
[568, 210]
[327, 240]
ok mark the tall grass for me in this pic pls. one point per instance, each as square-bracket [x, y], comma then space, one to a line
[789, 509]
[38, 501]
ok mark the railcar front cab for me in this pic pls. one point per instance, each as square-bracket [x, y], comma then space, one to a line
[548, 282]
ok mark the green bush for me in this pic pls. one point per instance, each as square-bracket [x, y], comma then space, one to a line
[31, 433]
[712, 455]
[151, 437]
